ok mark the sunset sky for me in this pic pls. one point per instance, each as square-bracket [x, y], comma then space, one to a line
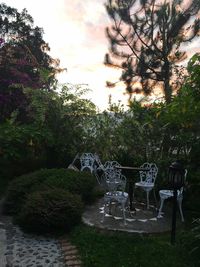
[75, 31]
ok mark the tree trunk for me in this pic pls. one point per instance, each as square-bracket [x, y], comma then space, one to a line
[167, 91]
[167, 87]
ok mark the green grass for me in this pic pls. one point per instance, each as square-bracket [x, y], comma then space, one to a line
[105, 249]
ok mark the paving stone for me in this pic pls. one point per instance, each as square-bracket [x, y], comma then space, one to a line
[70, 252]
[73, 263]
[24, 250]
[71, 257]
[68, 247]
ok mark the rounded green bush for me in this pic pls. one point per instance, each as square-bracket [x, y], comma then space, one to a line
[21, 186]
[81, 183]
[51, 210]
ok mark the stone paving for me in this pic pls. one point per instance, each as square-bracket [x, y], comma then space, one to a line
[141, 221]
[19, 249]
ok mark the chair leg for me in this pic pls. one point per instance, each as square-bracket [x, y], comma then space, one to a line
[148, 200]
[104, 212]
[180, 207]
[124, 214]
[154, 193]
[161, 207]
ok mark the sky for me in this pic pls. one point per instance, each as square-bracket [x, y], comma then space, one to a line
[75, 32]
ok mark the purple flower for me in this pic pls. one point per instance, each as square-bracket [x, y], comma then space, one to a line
[2, 41]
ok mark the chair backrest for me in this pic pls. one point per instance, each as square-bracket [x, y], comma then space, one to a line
[75, 165]
[87, 162]
[110, 167]
[150, 175]
[115, 183]
[109, 173]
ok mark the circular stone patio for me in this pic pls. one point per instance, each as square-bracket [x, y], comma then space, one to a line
[141, 221]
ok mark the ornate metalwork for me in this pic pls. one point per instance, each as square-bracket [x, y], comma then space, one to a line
[115, 184]
[147, 178]
[165, 194]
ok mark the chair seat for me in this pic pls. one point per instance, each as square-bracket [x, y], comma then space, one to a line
[115, 184]
[117, 196]
[168, 193]
[145, 185]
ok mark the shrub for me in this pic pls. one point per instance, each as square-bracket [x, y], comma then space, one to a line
[51, 210]
[81, 183]
[190, 241]
[20, 187]
[191, 200]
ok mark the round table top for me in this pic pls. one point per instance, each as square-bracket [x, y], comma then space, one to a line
[132, 168]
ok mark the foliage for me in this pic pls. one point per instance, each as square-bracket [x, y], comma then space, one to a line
[182, 116]
[81, 183]
[196, 240]
[50, 211]
[52, 133]
[192, 196]
[76, 112]
[24, 61]
[101, 136]
[21, 36]
[21, 187]
[190, 241]
[145, 39]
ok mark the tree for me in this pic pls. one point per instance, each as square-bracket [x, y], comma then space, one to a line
[24, 59]
[146, 41]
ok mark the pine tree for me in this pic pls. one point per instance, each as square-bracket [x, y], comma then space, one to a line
[147, 40]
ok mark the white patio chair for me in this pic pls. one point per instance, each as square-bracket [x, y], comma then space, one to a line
[87, 161]
[108, 169]
[116, 183]
[72, 165]
[147, 179]
[165, 194]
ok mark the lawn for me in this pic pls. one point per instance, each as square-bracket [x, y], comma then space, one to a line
[106, 249]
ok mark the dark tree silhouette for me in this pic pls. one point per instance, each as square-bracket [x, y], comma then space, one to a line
[146, 41]
[24, 60]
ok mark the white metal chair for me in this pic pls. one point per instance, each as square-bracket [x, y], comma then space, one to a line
[72, 165]
[165, 194]
[87, 161]
[115, 183]
[147, 178]
[108, 169]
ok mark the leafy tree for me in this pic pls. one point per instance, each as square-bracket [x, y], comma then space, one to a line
[53, 134]
[25, 46]
[24, 60]
[146, 41]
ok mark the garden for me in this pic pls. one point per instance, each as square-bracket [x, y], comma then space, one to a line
[42, 129]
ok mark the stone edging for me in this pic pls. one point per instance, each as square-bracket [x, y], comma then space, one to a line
[70, 253]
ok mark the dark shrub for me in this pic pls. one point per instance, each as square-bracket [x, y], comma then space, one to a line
[20, 187]
[52, 210]
[191, 199]
[81, 183]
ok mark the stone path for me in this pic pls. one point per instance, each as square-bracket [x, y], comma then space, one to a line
[18, 249]
[24, 250]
